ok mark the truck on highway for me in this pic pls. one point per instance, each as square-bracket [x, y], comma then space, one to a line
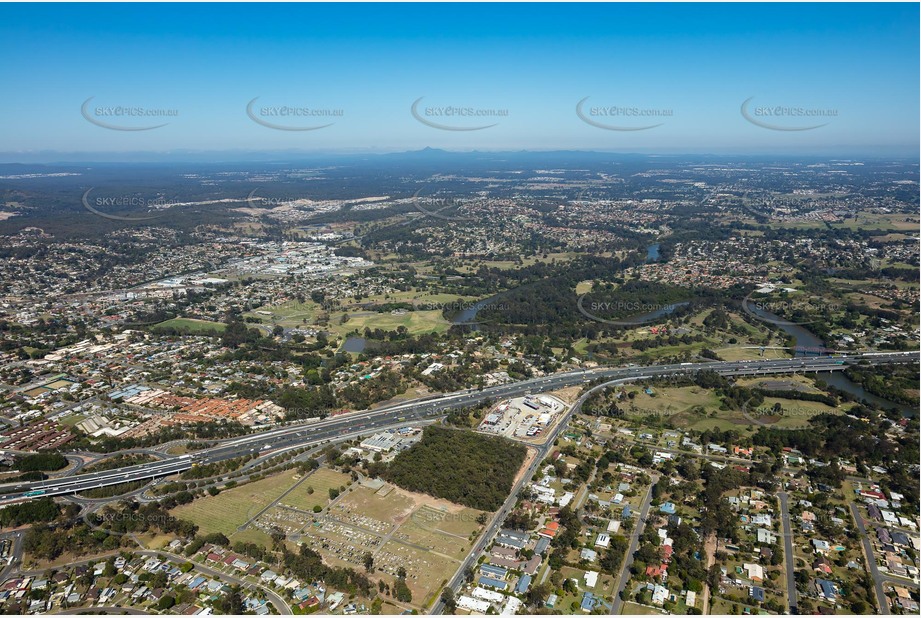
[35, 492]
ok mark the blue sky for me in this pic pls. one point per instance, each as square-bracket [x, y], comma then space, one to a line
[856, 63]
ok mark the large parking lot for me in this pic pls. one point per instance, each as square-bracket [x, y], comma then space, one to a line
[524, 418]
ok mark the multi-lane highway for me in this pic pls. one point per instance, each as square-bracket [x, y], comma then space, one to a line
[633, 373]
[369, 421]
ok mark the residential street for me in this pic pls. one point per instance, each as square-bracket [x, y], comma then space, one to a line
[617, 604]
[788, 551]
[883, 603]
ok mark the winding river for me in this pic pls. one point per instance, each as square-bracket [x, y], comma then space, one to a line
[805, 340]
[802, 337]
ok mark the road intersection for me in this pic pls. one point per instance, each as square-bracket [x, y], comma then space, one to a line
[315, 433]
[369, 421]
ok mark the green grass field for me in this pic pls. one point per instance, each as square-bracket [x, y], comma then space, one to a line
[796, 413]
[744, 337]
[426, 319]
[673, 400]
[321, 481]
[798, 382]
[233, 507]
[291, 313]
[191, 325]
[415, 322]
[737, 353]
[426, 571]
[894, 222]
[414, 296]
[694, 408]
[474, 265]
[72, 419]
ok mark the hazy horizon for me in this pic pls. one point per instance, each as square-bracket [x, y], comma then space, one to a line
[194, 157]
[828, 80]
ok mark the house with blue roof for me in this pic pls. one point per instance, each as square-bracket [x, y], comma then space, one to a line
[523, 584]
[826, 589]
[489, 582]
[493, 571]
[512, 538]
[756, 593]
[302, 594]
[900, 538]
[589, 602]
[667, 507]
[195, 583]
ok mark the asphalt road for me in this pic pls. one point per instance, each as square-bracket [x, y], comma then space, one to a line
[102, 610]
[496, 523]
[16, 537]
[624, 578]
[788, 551]
[280, 604]
[881, 600]
[367, 422]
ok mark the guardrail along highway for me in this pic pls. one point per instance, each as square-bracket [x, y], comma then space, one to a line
[369, 421]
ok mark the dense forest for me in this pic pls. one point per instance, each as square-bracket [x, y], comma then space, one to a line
[41, 510]
[460, 466]
[899, 383]
[42, 462]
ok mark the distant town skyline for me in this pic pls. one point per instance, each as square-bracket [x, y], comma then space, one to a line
[810, 79]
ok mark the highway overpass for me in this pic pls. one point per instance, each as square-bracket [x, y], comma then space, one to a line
[370, 421]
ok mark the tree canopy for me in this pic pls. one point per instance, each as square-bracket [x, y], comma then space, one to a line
[460, 466]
